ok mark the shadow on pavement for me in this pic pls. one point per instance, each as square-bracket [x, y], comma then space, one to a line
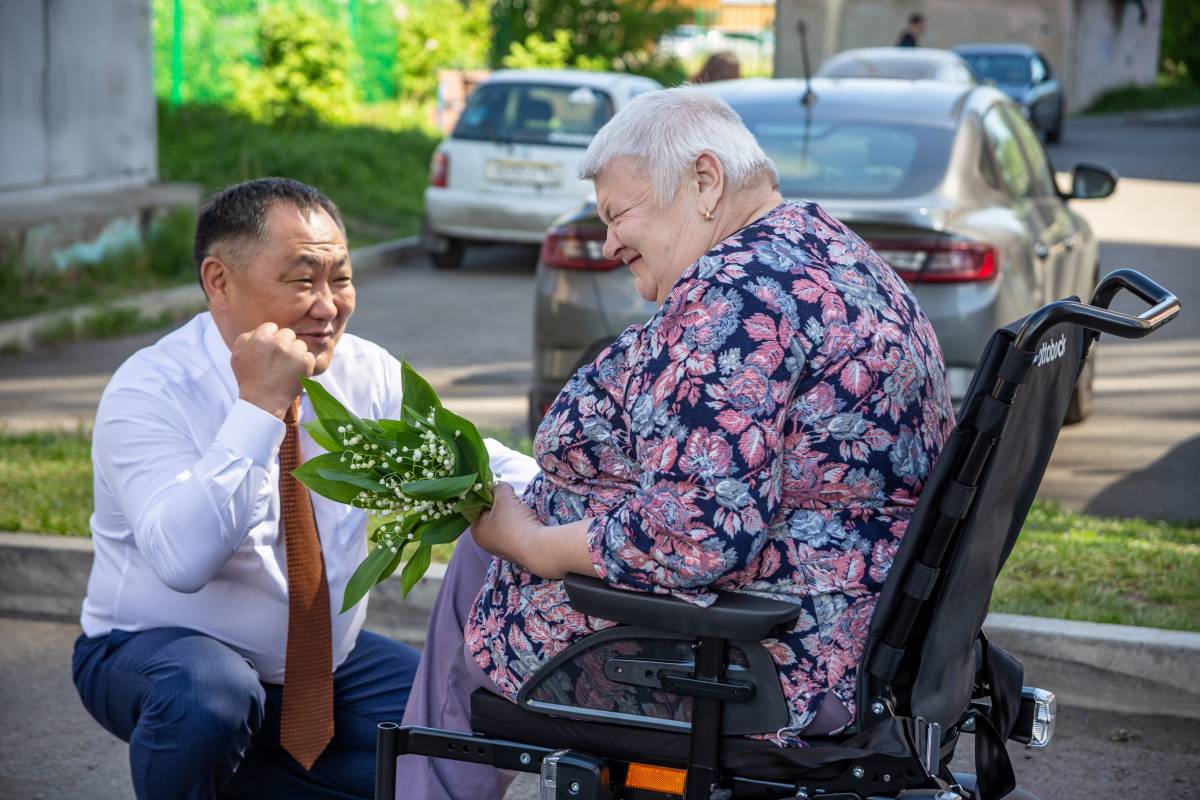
[1162, 485]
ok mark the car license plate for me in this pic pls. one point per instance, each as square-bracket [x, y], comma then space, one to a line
[527, 173]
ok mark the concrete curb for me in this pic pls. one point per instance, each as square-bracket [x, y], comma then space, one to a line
[23, 334]
[1086, 664]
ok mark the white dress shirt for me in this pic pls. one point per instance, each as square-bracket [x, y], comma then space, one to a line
[186, 524]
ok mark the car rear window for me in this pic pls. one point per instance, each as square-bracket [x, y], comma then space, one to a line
[854, 159]
[524, 113]
[999, 68]
[908, 69]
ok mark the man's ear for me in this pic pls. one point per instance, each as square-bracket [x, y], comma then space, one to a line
[215, 276]
[710, 179]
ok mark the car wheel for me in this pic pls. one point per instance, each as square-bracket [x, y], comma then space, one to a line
[451, 257]
[1054, 135]
[1080, 406]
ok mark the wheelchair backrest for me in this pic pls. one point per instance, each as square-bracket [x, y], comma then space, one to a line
[922, 646]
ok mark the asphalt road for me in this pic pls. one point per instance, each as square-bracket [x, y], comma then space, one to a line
[50, 747]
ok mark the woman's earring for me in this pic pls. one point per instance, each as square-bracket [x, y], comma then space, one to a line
[708, 215]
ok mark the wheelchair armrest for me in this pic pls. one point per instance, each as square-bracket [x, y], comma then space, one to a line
[734, 616]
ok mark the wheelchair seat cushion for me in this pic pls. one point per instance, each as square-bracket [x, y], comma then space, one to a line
[492, 715]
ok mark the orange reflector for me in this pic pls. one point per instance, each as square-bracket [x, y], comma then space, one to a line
[656, 779]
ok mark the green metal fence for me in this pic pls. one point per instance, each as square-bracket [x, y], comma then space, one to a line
[195, 42]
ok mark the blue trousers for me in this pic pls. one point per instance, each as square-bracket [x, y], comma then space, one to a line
[200, 724]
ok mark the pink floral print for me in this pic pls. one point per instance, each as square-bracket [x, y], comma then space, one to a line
[768, 430]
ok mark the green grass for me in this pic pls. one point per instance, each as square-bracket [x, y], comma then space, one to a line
[110, 322]
[46, 482]
[375, 173]
[1129, 572]
[1168, 92]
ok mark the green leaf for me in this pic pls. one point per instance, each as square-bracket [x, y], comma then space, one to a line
[309, 473]
[358, 479]
[472, 506]
[469, 443]
[387, 573]
[415, 568]
[330, 411]
[366, 576]
[411, 417]
[393, 426]
[451, 443]
[408, 439]
[321, 436]
[417, 393]
[443, 530]
[438, 488]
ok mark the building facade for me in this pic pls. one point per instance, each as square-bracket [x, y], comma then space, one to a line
[1094, 45]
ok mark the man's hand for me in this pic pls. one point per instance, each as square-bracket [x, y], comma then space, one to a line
[268, 363]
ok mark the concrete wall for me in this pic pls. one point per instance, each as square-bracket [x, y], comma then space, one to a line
[1113, 48]
[76, 96]
[1093, 44]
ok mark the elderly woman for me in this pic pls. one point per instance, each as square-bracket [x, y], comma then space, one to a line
[768, 429]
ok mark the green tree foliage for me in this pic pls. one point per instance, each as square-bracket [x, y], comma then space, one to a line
[1181, 36]
[538, 53]
[305, 72]
[440, 34]
[621, 34]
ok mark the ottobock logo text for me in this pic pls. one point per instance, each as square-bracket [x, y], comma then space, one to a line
[1051, 351]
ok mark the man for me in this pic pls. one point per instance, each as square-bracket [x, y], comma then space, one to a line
[911, 35]
[212, 639]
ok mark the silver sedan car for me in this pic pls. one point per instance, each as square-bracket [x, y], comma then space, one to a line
[948, 183]
[903, 63]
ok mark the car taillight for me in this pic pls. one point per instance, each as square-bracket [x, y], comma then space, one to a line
[439, 170]
[570, 247]
[939, 262]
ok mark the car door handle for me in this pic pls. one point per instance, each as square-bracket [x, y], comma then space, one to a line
[1041, 250]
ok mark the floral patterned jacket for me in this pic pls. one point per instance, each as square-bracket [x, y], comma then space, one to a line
[768, 430]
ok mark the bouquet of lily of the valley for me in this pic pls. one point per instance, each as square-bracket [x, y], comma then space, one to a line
[426, 474]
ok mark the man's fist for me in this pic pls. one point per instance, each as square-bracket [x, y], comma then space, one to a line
[268, 363]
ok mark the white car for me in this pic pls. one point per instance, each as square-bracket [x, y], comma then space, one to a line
[508, 170]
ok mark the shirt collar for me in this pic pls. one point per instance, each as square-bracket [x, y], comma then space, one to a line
[220, 354]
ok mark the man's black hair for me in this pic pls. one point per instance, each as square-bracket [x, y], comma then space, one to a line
[916, 18]
[239, 212]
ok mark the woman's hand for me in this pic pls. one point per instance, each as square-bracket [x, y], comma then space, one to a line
[513, 532]
[508, 527]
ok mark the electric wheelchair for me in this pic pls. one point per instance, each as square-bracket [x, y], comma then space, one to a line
[928, 673]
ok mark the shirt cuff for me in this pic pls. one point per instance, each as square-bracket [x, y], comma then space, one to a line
[251, 432]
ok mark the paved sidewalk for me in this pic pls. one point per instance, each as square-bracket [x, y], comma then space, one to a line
[50, 748]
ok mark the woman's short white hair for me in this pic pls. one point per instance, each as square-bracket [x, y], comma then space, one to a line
[667, 131]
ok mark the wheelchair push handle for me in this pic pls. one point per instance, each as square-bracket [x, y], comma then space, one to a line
[1098, 317]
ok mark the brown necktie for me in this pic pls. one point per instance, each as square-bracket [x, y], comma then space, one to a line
[306, 722]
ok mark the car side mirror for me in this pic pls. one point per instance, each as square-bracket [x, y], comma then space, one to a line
[1092, 182]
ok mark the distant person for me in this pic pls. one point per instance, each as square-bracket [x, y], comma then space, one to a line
[722, 66]
[913, 31]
